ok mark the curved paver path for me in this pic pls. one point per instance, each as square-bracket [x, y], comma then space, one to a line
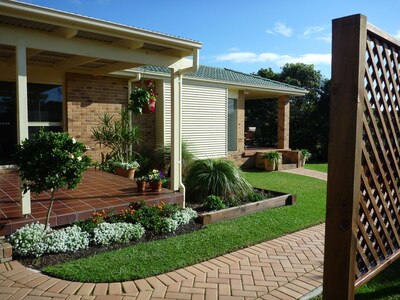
[284, 268]
[309, 173]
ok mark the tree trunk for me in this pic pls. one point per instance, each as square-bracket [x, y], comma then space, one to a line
[49, 209]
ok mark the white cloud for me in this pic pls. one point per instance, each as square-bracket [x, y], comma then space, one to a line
[325, 38]
[312, 30]
[281, 28]
[234, 49]
[275, 58]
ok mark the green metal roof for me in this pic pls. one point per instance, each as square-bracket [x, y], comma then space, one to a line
[226, 76]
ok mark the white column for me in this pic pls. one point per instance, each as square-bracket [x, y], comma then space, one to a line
[176, 135]
[22, 112]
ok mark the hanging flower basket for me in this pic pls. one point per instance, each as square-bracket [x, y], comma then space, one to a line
[144, 100]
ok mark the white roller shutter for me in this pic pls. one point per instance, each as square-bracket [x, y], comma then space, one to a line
[203, 119]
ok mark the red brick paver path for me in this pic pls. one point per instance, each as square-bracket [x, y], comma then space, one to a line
[288, 267]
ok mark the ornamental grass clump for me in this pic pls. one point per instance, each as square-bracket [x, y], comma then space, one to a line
[49, 161]
[219, 177]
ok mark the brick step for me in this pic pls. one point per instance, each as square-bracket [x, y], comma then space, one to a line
[287, 166]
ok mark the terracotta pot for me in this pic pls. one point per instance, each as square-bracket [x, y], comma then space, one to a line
[130, 173]
[269, 166]
[156, 186]
[141, 186]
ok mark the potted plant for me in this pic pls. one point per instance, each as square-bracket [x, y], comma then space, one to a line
[304, 156]
[126, 169]
[156, 179]
[119, 136]
[141, 183]
[271, 160]
[143, 100]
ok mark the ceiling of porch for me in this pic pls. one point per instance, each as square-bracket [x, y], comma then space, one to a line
[70, 42]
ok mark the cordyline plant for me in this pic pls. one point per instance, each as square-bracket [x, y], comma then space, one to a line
[49, 161]
[118, 135]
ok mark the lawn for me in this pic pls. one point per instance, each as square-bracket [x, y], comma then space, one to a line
[149, 259]
[321, 167]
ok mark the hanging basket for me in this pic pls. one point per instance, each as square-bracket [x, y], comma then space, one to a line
[149, 108]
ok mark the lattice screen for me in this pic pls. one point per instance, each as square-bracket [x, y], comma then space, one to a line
[378, 231]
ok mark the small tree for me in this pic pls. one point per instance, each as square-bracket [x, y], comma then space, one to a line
[49, 161]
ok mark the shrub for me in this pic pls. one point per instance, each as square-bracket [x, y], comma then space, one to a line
[49, 161]
[218, 177]
[69, 239]
[108, 233]
[184, 216]
[254, 197]
[213, 203]
[168, 210]
[166, 225]
[163, 155]
[148, 217]
[29, 240]
[305, 154]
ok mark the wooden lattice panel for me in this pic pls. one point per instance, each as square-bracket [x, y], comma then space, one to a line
[378, 231]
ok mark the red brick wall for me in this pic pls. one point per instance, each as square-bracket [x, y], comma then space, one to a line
[88, 98]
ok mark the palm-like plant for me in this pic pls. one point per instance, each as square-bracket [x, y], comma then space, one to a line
[218, 177]
[118, 135]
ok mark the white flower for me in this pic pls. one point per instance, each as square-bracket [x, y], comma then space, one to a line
[79, 158]
[73, 141]
[70, 156]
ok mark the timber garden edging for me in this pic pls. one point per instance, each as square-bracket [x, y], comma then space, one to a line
[248, 208]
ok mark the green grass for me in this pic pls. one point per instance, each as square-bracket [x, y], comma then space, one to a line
[149, 259]
[322, 167]
[385, 286]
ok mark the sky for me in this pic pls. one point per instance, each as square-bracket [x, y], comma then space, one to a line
[243, 35]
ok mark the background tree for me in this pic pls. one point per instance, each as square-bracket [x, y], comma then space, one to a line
[309, 115]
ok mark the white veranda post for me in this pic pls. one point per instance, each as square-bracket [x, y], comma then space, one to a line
[176, 130]
[22, 111]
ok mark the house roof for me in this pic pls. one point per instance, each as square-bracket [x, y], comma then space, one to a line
[229, 77]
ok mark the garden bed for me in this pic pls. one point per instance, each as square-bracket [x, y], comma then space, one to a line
[275, 199]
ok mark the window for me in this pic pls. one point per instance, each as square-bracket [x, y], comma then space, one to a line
[44, 111]
[232, 124]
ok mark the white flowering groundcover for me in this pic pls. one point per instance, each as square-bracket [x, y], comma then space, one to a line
[33, 240]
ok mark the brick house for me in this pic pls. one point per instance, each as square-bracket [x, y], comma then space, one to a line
[62, 71]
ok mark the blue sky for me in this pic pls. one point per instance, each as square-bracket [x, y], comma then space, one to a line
[243, 35]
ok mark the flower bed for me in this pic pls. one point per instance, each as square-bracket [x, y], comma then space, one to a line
[273, 199]
[101, 230]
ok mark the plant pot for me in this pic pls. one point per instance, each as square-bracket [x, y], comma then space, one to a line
[269, 165]
[141, 186]
[156, 186]
[150, 108]
[130, 173]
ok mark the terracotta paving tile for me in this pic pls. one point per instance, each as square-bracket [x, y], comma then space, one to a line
[145, 295]
[48, 283]
[281, 295]
[165, 279]
[159, 292]
[72, 288]
[30, 297]
[115, 288]
[224, 289]
[211, 294]
[130, 288]
[20, 294]
[143, 285]
[197, 297]
[174, 288]
[109, 297]
[176, 276]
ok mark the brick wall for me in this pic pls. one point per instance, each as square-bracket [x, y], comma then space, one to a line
[89, 97]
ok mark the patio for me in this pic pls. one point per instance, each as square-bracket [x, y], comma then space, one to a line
[98, 190]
